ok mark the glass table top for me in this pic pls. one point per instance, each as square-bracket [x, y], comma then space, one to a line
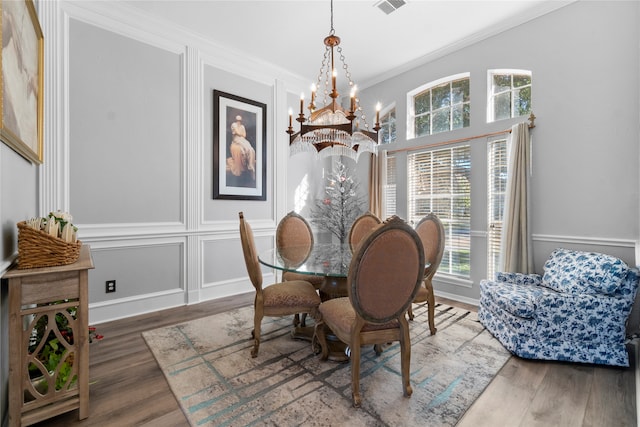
[322, 259]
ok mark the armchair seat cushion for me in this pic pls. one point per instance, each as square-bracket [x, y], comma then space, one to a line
[563, 316]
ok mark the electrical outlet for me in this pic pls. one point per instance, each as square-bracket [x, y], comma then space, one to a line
[110, 286]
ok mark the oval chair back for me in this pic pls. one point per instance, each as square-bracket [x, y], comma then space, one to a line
[361, 228]
[294, 230]
[431, 232]
[386, 271]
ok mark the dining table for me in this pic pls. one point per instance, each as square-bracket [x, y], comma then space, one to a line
[329, 260]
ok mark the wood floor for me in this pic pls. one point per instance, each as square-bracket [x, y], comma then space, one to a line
[128, 389]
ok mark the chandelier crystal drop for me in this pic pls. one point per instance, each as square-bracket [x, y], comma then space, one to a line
[332, 130]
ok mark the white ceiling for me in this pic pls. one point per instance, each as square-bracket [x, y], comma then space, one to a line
[290, 33]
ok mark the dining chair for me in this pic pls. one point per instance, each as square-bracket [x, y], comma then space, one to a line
[278, 299]
[431, 232]
[294, 230]
[384, 276]
[361, 227]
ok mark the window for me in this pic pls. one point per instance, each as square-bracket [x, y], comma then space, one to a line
[497, 185]
[439, 182]
[509, 94]
[390, 188]
[439, 106]
[388, 126]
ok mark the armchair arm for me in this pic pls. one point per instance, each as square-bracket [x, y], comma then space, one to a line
[519, 278]
[582, 317]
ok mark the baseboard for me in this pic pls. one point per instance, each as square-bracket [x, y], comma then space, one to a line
[132, 306]
[456, 297]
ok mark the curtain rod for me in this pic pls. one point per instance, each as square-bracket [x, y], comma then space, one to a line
[531, 121]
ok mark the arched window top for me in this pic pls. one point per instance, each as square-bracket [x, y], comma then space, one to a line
[439, 106]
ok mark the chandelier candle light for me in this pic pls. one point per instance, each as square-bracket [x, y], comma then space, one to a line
[332, 130]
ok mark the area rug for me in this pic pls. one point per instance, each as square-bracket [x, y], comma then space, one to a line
[208, 366]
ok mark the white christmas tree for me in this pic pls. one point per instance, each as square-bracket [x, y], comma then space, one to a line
[341, 205]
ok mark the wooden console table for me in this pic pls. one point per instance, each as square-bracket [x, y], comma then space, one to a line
[36, 297]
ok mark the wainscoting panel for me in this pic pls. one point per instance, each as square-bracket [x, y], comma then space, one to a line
[224, 270]
[126, 143]
[149, 274]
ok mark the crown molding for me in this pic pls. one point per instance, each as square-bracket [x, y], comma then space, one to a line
[133, 22]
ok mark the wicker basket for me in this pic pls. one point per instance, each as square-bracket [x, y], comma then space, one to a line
[39, 249]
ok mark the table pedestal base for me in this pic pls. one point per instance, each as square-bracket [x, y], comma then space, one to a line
[303, 333]
[333, 287]
[337, 349]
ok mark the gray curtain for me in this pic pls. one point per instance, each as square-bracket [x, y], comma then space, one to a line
[515, 246]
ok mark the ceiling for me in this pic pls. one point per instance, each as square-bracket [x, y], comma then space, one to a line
[290, 34]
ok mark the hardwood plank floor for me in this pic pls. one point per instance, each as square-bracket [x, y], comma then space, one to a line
[128, 389]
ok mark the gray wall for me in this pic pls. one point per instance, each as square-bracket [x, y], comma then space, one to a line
[18, 201]
[585, 143]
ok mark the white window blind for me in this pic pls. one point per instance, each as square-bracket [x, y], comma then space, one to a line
[497, 184]
[439, 182]
[390, 187]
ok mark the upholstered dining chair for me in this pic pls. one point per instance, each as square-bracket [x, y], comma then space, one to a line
[294, 230]
[361, 227]
[279, 299]
[431, 232]
[384, 276]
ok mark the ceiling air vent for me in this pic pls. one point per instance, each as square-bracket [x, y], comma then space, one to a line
[388, 6]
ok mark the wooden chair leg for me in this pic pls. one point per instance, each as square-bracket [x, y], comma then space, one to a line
[355, 374]
[431, 300]
[405, 357]
[257, 320]
[378, 349]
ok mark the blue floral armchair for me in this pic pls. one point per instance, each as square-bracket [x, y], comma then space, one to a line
[576, 311]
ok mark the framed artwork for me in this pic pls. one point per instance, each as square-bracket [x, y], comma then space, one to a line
[21, 79]
[239, 148]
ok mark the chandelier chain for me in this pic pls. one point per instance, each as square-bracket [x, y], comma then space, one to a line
[332, 32]
[325, 71]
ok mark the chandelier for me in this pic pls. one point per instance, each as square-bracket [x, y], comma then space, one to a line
[332, 130]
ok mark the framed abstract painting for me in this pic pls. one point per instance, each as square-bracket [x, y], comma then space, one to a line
[21, 79]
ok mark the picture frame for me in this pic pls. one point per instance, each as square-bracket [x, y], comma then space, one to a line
[239, 148]
[21, 80]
